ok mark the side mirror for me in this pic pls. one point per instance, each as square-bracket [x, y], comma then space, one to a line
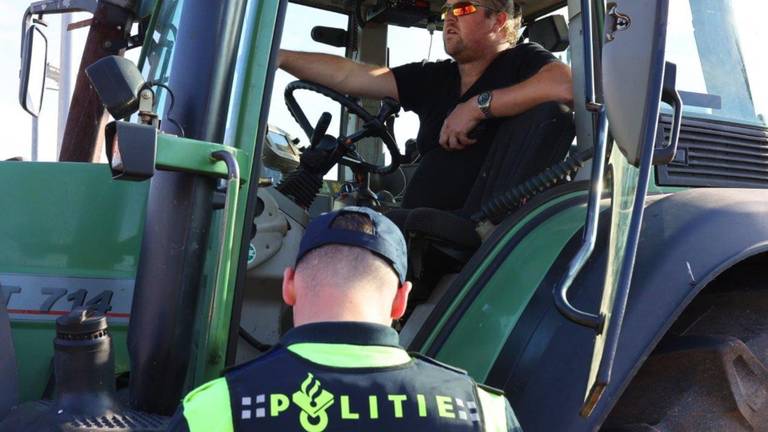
[34, 47]
[34, 62]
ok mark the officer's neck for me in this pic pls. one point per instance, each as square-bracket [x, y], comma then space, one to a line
[332, 310]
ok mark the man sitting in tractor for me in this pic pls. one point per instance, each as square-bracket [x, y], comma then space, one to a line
[459, 102]
[341, 367]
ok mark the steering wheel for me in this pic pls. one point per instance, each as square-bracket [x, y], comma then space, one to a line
[373, 126]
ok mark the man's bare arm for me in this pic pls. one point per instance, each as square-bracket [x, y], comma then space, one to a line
[339, 73]
[552, 83]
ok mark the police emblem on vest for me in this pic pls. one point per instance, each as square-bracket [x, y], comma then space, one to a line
[417, 395]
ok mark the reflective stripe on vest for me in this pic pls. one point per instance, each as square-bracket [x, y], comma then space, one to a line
[494, 411]
[207, 408]
[350, 356]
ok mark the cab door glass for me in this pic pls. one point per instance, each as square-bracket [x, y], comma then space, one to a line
[157, 53]
[299, 21]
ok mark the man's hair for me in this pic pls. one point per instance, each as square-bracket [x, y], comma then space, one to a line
[514, 20]
[335, 263]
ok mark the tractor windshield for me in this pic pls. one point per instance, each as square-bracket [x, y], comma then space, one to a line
[718, 48]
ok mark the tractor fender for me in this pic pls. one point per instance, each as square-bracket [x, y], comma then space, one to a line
[687, 239]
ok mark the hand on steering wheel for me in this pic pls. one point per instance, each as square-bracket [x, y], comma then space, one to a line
[344, 152]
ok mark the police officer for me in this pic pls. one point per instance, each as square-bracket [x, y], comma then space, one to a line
[341, 366]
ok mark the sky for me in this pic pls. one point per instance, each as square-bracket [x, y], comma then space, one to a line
[406, 45]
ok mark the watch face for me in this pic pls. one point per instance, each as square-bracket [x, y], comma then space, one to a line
[483, 98]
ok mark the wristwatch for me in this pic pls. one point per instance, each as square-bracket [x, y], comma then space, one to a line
[484, 103]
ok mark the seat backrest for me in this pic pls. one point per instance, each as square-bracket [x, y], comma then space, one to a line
[523, 146]
[550, 32]
[9, 390]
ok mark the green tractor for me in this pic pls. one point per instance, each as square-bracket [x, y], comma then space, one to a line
[626, 295]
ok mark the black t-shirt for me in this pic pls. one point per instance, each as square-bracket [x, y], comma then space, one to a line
[431, 90]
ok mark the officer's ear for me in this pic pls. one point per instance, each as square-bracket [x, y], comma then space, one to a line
[401, 300]
[289, 287]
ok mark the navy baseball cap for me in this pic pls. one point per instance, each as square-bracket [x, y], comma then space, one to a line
[386, 241]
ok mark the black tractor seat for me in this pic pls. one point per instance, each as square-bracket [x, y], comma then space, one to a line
[438, 225]
[524, 146]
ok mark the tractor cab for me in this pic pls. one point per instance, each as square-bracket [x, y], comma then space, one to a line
[355, 152]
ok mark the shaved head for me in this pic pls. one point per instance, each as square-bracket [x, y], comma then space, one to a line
[335, 265]
[344, 267]
[338, 282]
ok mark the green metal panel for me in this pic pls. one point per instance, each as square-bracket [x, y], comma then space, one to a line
[482, 331]
[242, 134]
[484, 266]
[183, 154]
[71, 221]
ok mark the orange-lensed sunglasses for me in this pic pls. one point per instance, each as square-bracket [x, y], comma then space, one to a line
[462, 8]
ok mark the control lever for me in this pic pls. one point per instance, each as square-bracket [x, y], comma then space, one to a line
[320, 129]
[389, 106]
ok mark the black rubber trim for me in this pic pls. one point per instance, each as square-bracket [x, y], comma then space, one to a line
[253, 188]
[479, 257]
[515, 358]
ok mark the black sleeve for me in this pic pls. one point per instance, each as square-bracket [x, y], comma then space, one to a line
[178, 422]
[532, 57]
[412, 88]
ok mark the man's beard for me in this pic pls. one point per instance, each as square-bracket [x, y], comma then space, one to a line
[455, 48]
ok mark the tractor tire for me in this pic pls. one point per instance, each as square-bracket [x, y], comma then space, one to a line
[707, 374]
